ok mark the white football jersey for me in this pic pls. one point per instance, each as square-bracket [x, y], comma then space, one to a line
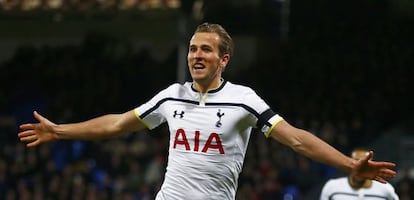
[339, 189]
[209, 134]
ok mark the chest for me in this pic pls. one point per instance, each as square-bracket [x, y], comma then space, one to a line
[220, 118]
[373, 193]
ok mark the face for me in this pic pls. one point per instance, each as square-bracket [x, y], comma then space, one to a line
[358, 155]
[204, 61]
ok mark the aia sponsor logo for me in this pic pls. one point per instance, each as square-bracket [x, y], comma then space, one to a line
[213, 142]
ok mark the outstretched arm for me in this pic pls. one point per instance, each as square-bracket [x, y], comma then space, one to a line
[101, 127]
[316, 149]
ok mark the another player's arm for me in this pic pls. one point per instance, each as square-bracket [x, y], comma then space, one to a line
[97, 128]
[311, 146]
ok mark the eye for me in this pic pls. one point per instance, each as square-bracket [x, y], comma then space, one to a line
[207, 49]
[192, 49]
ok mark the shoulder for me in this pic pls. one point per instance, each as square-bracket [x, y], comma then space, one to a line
[177, 86]
[246, 97]
[240, 94]
[386, 186]
[334, 182]
[332, 185]
[238, 89]
[174, 89]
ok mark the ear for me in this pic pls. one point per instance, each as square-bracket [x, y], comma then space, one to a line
[224, 60]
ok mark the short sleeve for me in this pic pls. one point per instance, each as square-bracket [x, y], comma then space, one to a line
[150, 112]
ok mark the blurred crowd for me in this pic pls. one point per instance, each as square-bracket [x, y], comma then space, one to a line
[28, 5]
[350, 94]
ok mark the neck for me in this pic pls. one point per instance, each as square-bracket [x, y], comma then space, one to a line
[205, 87]
[359, 183]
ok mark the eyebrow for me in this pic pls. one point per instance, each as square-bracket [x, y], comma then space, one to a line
[203, 45]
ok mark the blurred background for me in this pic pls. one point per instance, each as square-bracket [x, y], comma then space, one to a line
[341, 69]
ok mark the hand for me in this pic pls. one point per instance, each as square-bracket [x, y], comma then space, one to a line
[37, 133]
[368, 169]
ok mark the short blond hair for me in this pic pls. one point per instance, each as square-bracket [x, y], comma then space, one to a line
[226, 45]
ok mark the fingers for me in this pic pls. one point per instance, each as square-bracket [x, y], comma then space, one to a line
[38, 116]
[387, 173]
[28, 138]
[26, 133]
[369, 156]
[385, 169]
[32, 126]
[380, 179]
[388, 164]
[35, 133]
[33, 144]
[27, 126]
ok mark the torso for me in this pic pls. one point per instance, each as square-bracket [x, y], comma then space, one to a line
[209, 135]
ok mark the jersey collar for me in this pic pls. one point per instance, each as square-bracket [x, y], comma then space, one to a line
[214, 90]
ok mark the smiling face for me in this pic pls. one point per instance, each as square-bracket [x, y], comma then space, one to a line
[204, 61]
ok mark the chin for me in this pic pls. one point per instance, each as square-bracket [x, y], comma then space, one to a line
[196, 77]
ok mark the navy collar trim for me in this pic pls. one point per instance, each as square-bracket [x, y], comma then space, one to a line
[214, 90]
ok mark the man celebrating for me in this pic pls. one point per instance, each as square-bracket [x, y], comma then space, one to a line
[210, 121]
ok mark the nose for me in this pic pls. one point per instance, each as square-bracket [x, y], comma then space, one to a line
[198, 53]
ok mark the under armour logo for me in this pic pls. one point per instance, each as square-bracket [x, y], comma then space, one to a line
[219, 115]
[180, 114]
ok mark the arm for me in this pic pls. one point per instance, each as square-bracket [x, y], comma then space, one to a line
[101, 127]
[307, 144]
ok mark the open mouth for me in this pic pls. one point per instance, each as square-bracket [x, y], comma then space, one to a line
[198, 66]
